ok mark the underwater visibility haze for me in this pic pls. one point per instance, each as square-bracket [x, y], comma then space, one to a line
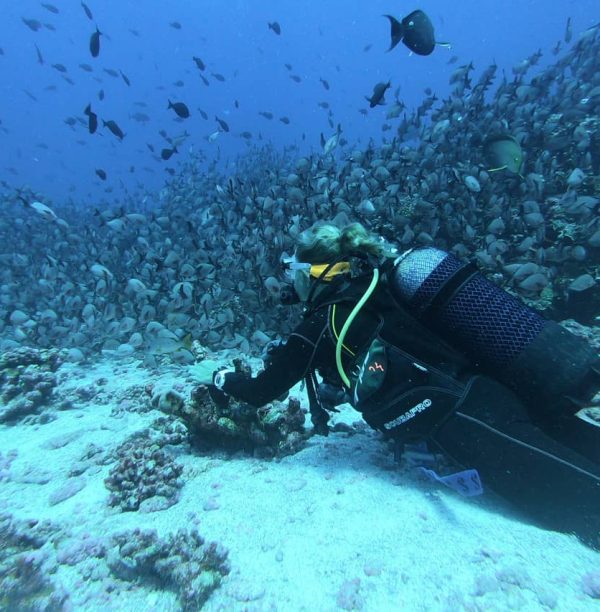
[159, 162]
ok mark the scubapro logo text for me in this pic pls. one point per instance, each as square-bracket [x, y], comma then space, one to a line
[409, 414]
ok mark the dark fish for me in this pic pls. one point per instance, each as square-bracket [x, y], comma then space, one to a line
[59, 67]
[181, 110]
[568, 31]
[166, 153]
[201, 65]
[101, 94]
[378, 94]
[218, 76]
[367, 47]
[223, 124]
[246, 135]
[86, 8]
[415, 31]
[453, 59]
[92, 119]
[95, 43]
[1, 51]
[70, 121]
[176, 25]
[32, 24]
[324, 83]
[273, 25]
[50, 7]
[266, 114]
[111, 72]
[134, 32]
[86, 67]
[141, 117]
[203, 114]
[296, 78]
[30, 95]
[114, 128]
[205, 80]
[324, 105]
[39, 55]
[151, 147]
[236, 104]
[285, 120]
[124, 77]
[171, 171]
[288, 66]
[68, 80]
[503, 152]
[101, 173]
[179, 83]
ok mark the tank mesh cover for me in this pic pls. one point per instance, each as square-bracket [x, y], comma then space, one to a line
[486, 322]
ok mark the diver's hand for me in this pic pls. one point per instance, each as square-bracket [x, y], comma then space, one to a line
[218, 377]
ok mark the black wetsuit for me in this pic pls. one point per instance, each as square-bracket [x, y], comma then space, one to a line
[548, 466]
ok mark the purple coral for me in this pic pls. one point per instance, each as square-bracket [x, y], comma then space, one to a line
[144, 471]
[182, 562]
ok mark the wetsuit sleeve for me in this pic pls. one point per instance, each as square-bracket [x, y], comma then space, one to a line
[287, 367]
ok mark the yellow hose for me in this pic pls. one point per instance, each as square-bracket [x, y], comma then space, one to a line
[351, 317]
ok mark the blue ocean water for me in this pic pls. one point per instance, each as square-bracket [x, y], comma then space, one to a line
[342, 42]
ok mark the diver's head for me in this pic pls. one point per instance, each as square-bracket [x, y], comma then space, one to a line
[323, 252]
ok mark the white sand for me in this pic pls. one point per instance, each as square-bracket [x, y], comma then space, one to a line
[339, 525]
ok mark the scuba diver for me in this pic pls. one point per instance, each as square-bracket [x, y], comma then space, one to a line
[427, 349]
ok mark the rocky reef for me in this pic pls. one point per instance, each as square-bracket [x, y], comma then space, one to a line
[276, 429]
[25, 567]
[27, 381]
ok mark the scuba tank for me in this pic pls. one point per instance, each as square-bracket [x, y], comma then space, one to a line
[540, 360]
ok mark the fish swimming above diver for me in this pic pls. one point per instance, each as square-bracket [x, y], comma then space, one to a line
[167, 153]
[415, 31]
[92, 119]
[181, 109]
[378, 95]
[274, 25]
[114, 128]
[95, 43]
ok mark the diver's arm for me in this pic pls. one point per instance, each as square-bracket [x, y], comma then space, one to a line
[287, 367]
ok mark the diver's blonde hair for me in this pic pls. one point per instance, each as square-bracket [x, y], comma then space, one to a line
[324, 243]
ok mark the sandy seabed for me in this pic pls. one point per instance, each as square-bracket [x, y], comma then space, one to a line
[338, 526]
